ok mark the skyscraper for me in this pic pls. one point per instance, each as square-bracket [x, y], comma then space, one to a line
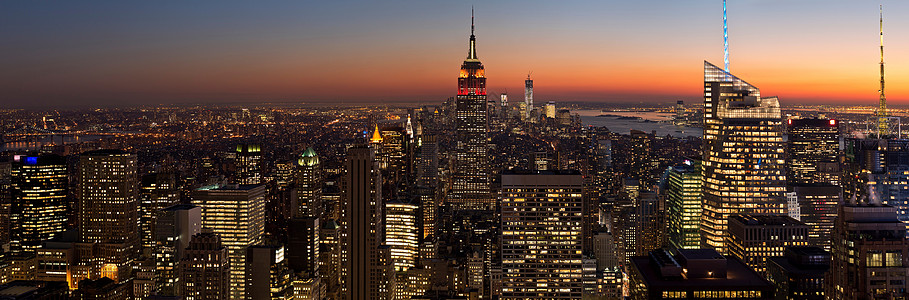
[470, 181]
[108, 186]
[528, 97]
[37, 211]
[743, 154]
[541, 235]
[308, 186]
[813, 150]
[174, 229]
[402, 233]
[205, 269]
[237, 214]
[870, 254]
[156, 192]
[267, 274]
[683, 206]
[876, 170]
[362, 226]
[249, 164]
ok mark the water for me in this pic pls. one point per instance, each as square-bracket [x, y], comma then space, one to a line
[32, 144]
[649, 121]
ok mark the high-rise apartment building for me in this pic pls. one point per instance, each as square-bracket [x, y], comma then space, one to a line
[205, 269]
[683, 205]
[743, 154]
[870, 254]
[470, 182]
[38, 193]
[237, 214]
[108, 218]
[363, 271]
[249, 164]
[541, 235]
[813, 149]
[756, 238]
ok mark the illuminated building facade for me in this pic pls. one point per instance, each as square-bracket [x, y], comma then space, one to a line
[817, 206]
[249, 164]
[37, 212]
[308, 185]
[402, 234]
[743, 154]
[694, 274]
[756, 238]
[799, 274]
[541, 235]
[640, 158]
[237, 214]
[813, 149]
[363, 268]
[108, 218]
[174, 229]
[205, 269]
[870, 254]
[550, 110]
[156, 192]
[470, 182]
[683, 205]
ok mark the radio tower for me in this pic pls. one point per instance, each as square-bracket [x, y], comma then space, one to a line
[883, 117]
[725, 38]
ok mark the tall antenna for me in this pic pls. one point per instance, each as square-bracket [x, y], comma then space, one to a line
[725, 38]
[883, 120]
[471, 20]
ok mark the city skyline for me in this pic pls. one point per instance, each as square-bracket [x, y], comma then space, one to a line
[63, 54]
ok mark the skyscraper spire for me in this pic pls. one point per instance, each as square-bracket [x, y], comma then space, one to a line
[725, 38]
[883, 121]
[472, 53]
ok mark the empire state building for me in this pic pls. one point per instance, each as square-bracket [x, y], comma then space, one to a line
[470, 181]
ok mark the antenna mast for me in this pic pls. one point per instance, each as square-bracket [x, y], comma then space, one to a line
[883, 117]
[725, 38]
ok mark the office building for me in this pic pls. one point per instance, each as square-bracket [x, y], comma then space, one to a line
[813, 149]
[174, 229]
[528, 98]
[363, 271]
[102, 288]
[308, 186]
[683, 205]
[303, 247]
[249, 164]
[694, 274]
[156, 192]
[205, 269]
[550, 110]
[817, 208]
[743, 154]
[108, 186]
[237, 214]
[267, 274]
[541, 235]
[755, 238]
[870, 254]
[402, 233]
[876, 170]
[470, 188]
[38, 206]
[799, 273]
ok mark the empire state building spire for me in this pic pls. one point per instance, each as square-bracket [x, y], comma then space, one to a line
[472, 53]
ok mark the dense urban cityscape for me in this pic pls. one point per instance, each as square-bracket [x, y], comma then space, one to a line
[478, 196]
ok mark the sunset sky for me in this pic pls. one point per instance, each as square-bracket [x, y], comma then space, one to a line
[161, 52]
